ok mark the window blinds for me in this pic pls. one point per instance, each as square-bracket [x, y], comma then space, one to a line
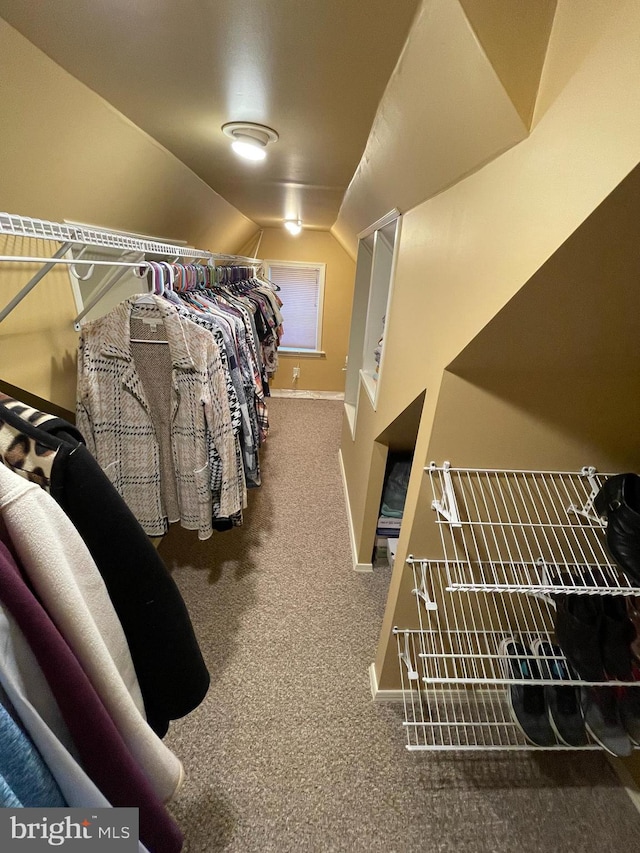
[300, 294]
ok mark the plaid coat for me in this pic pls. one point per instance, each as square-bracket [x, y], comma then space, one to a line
[116, 419]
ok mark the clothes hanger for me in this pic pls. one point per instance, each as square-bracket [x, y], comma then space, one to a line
[158, 288]
[165, 266]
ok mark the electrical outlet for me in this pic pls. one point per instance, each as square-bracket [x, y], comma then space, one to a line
[296, 372]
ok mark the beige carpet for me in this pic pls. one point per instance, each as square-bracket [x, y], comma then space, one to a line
[288, 752]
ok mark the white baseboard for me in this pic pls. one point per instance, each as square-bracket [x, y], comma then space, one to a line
[383, 695]
[307, 395]
[357, 567]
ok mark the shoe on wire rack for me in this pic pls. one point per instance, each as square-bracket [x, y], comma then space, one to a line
[633, 610]
[619, 502]
[616, 635]
[629, 706]
[526, 701]
[563, 701]
[602, 720]
[577, 627]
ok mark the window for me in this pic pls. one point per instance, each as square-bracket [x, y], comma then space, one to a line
[377, 251]
[302, 292]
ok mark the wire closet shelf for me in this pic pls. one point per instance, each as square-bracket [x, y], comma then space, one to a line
[524, 531]
[512, 542]
[131, 253]
[446, 717]
[87, 235]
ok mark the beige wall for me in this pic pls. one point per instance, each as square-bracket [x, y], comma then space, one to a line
[37, 341]
[326, 373]
[67, 154]
[538, 385]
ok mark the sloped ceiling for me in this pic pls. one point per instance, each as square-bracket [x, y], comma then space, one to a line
[514, 35]
[312, 70]
[447, 111]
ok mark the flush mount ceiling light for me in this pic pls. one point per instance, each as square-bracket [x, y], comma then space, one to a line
[249, 140]
[293, 226]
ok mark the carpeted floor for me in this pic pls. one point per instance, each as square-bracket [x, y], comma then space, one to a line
[288, 752]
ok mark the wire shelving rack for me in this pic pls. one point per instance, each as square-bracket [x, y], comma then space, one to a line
[524, 531]
[513, 541]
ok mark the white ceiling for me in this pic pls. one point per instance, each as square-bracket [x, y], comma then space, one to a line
[314, 70]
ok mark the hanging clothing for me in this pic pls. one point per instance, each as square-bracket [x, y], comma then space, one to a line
[246, 309]
[25, 779]
[43, 420]
[67, 582]
[103, 751]
[190, 428]
[23, 683]
[171, 672]
[220, 327]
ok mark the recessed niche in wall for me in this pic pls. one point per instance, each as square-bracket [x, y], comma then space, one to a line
[399, 439]
[377, 251]
[394, 495]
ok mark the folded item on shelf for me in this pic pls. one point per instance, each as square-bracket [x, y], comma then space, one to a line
[388, 521]
[386, 534]
[394, 492]
[388, 526]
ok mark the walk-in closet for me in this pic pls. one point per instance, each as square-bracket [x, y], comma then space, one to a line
[320, 478]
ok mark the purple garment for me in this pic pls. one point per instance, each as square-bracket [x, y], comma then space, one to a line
[104, 755]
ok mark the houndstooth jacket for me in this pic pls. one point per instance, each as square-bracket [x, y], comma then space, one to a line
[115, 417]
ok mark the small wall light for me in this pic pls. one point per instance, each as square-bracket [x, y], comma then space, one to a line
[293, 226]
[249, 140]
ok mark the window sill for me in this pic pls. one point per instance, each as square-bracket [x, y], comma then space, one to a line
[306, 353]
[351, 418]
[371, 386]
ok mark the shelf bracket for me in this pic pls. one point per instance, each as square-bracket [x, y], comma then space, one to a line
[17, 299]
[422, 591]
[405, 657]
[447, 506]
[587, 511]
[110, 282]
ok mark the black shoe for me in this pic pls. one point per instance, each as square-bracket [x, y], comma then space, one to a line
[619, 502]
[629, 706]
[563, 703]
[616, 635]
[633, 612]
[527, 705]
[602, 720]
[577, 626]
